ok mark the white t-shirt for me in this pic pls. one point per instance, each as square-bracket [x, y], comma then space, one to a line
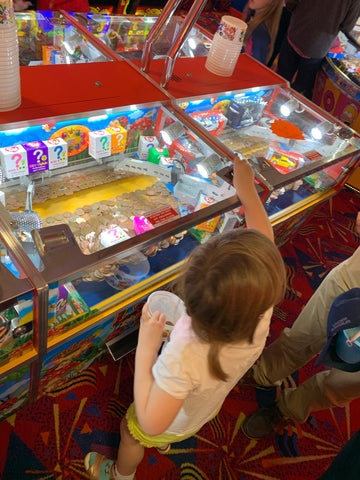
[182, 371]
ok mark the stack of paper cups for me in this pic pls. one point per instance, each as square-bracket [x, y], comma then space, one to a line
[226, 46]
[10, 94]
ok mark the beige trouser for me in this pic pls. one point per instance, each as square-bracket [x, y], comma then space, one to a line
[299, 344]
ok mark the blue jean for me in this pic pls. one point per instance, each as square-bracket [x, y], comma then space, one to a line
[347, 463]
[291, 63]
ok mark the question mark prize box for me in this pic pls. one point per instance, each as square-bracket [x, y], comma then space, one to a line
[37, 156]
[118, 139]
[100, 144]
[57, 152]
[14, 161]
[145, 143]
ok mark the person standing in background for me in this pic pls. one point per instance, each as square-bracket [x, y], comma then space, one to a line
[282, 32]
[298, 345]
[262, 17]
[313, 28]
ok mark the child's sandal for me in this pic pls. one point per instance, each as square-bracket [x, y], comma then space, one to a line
[99, 467]
[164, 449]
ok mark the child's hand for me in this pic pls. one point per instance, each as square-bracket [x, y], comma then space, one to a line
[255, 213]
[151, 330]
[243, 180]
[20, 5]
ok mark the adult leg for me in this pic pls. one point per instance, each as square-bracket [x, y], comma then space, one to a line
[294, 348]
[288, 61]
[330, 388]
[282, 31]
[297, 345]
[306, 74]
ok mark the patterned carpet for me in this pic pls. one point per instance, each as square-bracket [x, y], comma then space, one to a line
[49, 439]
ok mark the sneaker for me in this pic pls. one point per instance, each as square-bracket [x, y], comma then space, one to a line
[263, 423]
[249, 380]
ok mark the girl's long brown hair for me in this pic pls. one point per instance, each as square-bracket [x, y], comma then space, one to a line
[270, 14]
[227, 284]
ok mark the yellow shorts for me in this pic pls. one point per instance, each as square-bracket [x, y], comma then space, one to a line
[146, 440]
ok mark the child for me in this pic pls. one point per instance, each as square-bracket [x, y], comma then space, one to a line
[262, 17]
[229, 287]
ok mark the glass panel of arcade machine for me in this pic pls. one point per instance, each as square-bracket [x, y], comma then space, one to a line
[105, 179]
[289, 143]
[345, 55]
[126, 35]
[16, 310]
[47, 38]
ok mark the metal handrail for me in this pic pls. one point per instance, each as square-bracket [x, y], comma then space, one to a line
[164, 17]
[185, 29]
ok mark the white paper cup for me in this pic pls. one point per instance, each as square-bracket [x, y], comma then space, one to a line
[232, 29]
[169, 304]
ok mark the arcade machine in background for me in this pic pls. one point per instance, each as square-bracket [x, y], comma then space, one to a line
[337, 87]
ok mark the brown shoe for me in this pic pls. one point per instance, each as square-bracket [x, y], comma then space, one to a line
[263, 423]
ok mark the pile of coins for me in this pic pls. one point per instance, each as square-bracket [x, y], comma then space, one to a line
[64, 185]
[87, 222]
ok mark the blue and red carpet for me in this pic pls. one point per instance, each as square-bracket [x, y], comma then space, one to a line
[48, 440]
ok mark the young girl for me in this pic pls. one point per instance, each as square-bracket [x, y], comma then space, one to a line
[229, 287]
[262, 17]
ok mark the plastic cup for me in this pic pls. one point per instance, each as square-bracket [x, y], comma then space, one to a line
[169, 304]
[13, 97]
[226, 43]
[9, 38]
[11, 56]
[12, 93]
[10, 85]
[12, 105]
[226, 46]
[222, 63]
[9, 67]
[9, 78]
[7, 30]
